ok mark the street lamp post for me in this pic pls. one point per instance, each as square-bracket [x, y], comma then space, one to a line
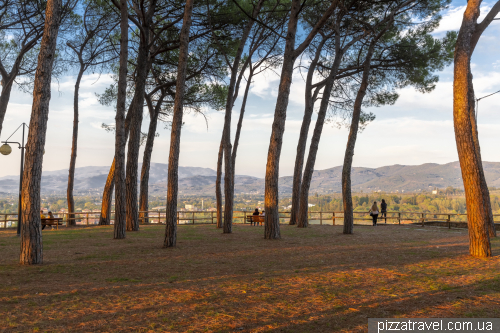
[5, 149]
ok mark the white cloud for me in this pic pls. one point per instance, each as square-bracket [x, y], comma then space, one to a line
[452, 18]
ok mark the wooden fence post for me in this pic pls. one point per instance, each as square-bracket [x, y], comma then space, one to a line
[321, 218]
[193, 217]
[5, 222]
[449, 221]
[423, 216]
[399, 217]
[333, 218]
[212, 213]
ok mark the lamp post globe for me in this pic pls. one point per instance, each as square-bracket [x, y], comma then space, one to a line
[5, 149]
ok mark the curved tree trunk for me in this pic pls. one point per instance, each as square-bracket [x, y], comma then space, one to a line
[175, 137]
[4, 99]
[107, 196]
[272, 220]
[218, 191]
[146, 163]
[107, 193]
[476, 192]
[31, 226]
[351, 142]
[74, 147]
[120, 141]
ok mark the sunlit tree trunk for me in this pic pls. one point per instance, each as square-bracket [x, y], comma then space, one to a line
[31, 227]
[476, 192]
[74, 147]
[351, 142]
[107, 193]
[120, 141]
[272, 224]
[175, 137]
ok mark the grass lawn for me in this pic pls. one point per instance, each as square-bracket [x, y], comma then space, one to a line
[312, 280]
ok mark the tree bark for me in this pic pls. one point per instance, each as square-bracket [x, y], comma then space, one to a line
[272, 224]
[218, 180]
[120, 141]
[31, 228]
[175, 137]
[351, 142]
[478, 206]
[74, 147]
[304, 130]
[146, 162]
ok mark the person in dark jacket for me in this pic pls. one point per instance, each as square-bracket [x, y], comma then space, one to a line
[255, 213]
[383, 210]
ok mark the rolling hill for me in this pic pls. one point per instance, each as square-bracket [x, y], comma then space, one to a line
[201, 181]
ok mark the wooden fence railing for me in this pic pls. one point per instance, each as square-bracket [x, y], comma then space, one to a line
[192, 217]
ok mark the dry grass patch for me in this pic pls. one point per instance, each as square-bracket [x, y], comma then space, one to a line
[313, 280]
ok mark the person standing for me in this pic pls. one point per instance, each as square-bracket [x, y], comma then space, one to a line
[374, 212]
[383, 210]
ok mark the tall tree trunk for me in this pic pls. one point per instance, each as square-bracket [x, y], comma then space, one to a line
[272, 226]
[228, 168]
[351, 142]
[476, 192]
[107, 193]
[218, 180]
[272, 222]
[146, 162]
[142, 70]
[175, 137]
[304, 130]
[31, 228]
[74, 147]
[486, 193]
[120, 141]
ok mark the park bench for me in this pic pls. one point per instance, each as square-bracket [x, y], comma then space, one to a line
[52, 221]
[255, 219]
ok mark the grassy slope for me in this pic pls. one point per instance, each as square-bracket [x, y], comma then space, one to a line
[315, 279]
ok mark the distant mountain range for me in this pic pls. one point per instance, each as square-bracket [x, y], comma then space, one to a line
[201, 181]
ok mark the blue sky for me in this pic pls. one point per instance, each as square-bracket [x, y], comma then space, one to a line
[417, 129]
